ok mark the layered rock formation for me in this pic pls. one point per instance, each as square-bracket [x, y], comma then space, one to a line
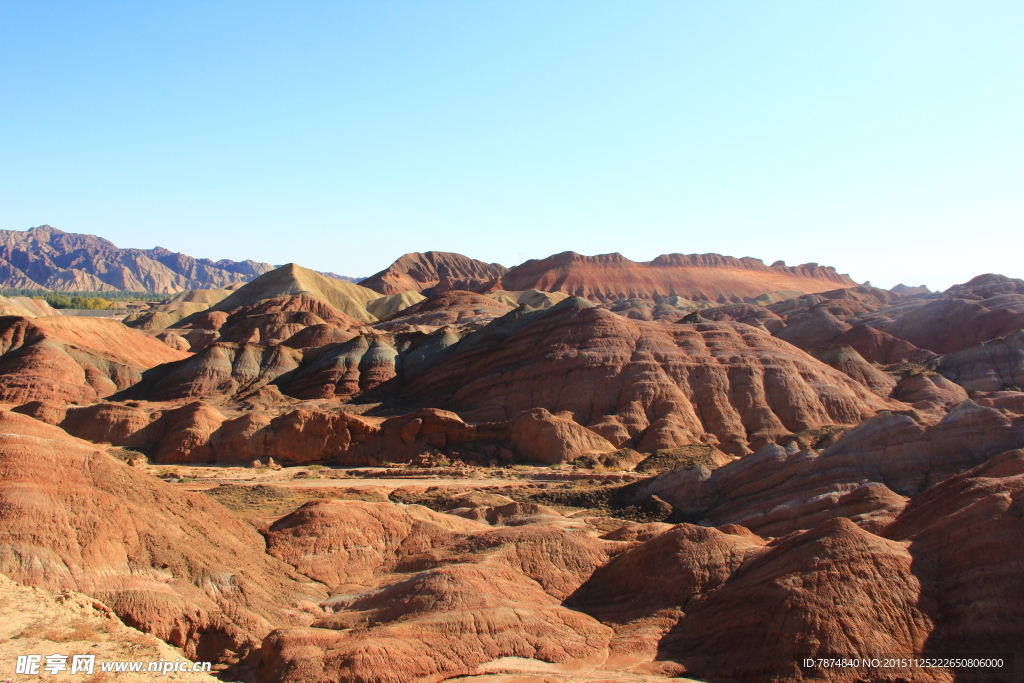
[170, 563]
[866, 476]
[842, 460]
[434, 272]
[25, 307]
[643, 384]
[982, 309]
[73, 360]
[992, 365]
[199, 433]
[37, 621]
[446, 597]
[452, 307]
[699, 277]
[169, 311]
[291, 280]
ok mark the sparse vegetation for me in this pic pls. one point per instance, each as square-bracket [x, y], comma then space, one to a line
[666, 459]
[602, 499]
[904, 370]
[264, 500]
[110, 295]
[819, 438]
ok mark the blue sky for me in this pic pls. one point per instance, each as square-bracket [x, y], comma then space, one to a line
[884, 138]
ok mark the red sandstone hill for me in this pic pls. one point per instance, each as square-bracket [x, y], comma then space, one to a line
[644, 384]
[436, 271]
[70, 359]
[698, 277]
[609, 277]
[168, 562]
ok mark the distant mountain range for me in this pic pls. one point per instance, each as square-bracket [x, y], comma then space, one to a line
[47, 258]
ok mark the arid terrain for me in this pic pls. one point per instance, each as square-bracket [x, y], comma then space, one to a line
[582, 468]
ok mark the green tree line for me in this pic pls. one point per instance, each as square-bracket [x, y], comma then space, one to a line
[86, 300]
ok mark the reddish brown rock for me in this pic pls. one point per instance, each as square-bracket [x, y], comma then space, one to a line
[987, 307]
[276, 320]
[198, 433]
[949, 325]
[444, 622]
[815, 329]
[965, 534]
[291, 281]
[878, 347]
[994, 365]
[865, 476]
[432, 272]
[539, 436]
[352, 542]
[1008, 401]
[644, 385]
[833, 591]
[67, 359]
[171, 563]
[663, 575]
[453, 307]
[842, 303]
[852, 364]
[698, 277]
[347, 369]
[465, 597]
[320, 334]
[163, 314]
[175, 341]
[751, 314]
[926, 390]
[221, 369]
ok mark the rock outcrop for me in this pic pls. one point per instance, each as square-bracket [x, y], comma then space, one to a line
[992, 365]
[846, 360]
[698, 277]
[449, 596]
[866, 476]
[452, 307]
[290, 281]
[433, 272]
[170, 563]
[25, 307]
[69, 359]
[977, 311]
[168, 312]
[831, 591]
[641, 384]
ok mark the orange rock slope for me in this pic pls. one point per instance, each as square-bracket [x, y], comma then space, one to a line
[699, 277]
[644, 384]
[73, 359]
[168, 562]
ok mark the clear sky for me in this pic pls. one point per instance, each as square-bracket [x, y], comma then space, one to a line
[885, 138]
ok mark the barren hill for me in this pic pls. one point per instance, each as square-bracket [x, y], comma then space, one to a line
[698, 277]
[292, 280]
[437, 271]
